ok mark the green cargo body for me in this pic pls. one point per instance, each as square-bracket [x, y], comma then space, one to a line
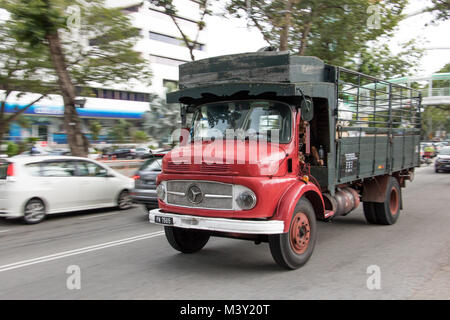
[369, 127]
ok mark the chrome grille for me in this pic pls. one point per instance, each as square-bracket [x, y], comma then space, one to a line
[215, 195]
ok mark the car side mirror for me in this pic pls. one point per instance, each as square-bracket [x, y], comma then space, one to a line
[307, 109]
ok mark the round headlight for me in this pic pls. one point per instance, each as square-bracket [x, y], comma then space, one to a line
[246, 200]
[161, 191]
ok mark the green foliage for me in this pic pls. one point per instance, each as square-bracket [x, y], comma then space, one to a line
[100, 48]
[12, 149]
[441, 8]
[445, 69]
[377, 60]
[95, 127]
[435, 118]
[140, 136]
[333, 30]
[120, 132]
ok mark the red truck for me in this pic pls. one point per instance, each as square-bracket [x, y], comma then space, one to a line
[276, 142]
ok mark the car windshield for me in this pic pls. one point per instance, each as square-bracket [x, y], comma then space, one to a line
[153, 164]
[249, 118]
[445, 151]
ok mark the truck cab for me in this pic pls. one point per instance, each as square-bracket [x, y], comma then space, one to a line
[264, 153]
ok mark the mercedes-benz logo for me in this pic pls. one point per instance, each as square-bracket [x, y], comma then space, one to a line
[194, 194]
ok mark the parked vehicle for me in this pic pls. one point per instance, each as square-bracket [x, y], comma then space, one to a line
[33, 187]
[122, 153]
[336, 138]
[142, 152]
[442, 162]
[144, 191]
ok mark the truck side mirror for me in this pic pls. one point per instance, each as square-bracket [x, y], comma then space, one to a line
[307, 109]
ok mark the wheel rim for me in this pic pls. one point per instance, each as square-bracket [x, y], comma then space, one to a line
[124, 200]
[34, 211]
[300, 233]
[394, 201]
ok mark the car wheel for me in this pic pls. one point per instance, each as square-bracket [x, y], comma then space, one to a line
[186, 240]
[124, 200]
[34, 211]
[293, 249]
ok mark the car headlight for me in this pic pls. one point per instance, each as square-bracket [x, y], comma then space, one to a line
[161, 191]
[245, 198]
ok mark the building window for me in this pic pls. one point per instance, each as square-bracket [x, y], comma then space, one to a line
[166, 61]
[173, 40]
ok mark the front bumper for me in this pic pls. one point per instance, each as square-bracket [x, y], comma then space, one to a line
[220, 224]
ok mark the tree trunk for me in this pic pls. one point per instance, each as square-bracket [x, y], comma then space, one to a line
[78, 143]
[3, 127]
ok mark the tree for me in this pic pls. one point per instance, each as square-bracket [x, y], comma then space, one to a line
[171, 11]
[86, 43]
[436, 117]
[120, 132]
[95, 127]
[333, 30]
[21, 70]
[162, 119]
[140, 136]
[440, 9]
[377, 60]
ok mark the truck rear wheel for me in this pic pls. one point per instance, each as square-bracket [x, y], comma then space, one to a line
[186, 240]
[293, 249]
[387, 212]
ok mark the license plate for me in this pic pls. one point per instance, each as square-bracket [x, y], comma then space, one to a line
[164, 220]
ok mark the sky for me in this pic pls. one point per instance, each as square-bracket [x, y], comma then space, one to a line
[233, 36]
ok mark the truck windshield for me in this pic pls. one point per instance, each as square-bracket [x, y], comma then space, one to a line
[245, 119]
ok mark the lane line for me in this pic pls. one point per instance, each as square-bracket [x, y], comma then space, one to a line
[69, 253]
[1, 231]
[100, 215]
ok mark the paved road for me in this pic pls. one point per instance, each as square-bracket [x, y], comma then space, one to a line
[121, 256]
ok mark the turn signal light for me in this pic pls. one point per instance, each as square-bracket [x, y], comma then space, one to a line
[136, 177]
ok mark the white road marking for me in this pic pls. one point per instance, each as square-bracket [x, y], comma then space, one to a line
[65, 254]
[99, 215]
[2, 231]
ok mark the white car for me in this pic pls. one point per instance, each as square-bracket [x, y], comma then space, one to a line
[33, 187]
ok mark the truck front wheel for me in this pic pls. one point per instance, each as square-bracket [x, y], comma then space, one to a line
[387, 212]
[293, 249]
[186, 240]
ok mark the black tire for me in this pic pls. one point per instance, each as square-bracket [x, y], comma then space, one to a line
[387, 212]
[34, 211]
[124, 200]
[369, 212]
[285, 249]
[186, 240]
